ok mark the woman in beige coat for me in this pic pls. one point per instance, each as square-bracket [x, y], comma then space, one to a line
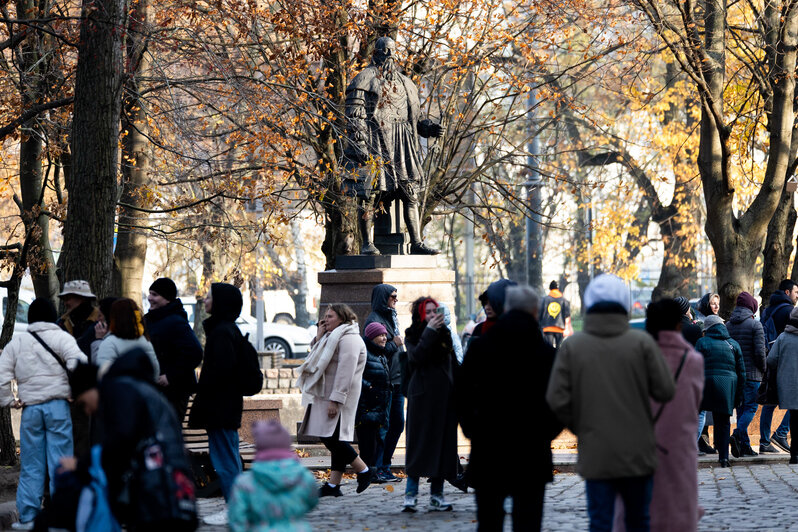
[330, 380]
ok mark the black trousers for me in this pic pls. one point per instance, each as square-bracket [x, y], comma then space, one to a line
[722, 431]
[527, 508]
[368, 435]
[341, 453]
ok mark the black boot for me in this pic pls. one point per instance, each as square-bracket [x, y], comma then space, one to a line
[328, 491]
[704, 446]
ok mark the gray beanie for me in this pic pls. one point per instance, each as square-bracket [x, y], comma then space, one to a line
[714, 319]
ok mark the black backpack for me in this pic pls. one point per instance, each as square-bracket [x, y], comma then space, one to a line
[770, 326]
[250, 377]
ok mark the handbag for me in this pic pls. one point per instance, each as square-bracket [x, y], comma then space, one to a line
[768, 393]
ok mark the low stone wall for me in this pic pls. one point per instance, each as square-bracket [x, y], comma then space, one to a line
[280, 381]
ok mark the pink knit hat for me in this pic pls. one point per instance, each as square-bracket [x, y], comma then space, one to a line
[374, 329]
[272, 441]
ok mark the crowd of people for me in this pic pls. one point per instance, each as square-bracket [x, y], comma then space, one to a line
[104, 390]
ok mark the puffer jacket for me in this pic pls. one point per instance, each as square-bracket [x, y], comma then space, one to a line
[724, 370]
[39, 376]
[386, 316]
[273, 496]
[375, 395]
[748, 332]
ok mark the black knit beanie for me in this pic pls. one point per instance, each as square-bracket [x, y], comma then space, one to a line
[42, 309]
[165, 287]
[684, 304]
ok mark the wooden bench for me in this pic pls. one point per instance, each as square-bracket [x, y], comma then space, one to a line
[196, 444]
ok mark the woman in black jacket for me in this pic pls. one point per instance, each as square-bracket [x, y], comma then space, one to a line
[431, 432]
[375, 395]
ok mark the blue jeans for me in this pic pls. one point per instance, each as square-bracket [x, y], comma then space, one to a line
[766, 420]
[389, 436]
[745, 413]
[702, 418]
[411, 488]
[223, 448]
[636, 495]
[45, 435]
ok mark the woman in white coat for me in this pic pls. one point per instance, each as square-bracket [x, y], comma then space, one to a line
[38, 360]
[330, 380]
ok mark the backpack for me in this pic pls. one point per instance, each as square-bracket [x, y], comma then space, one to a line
[250, 377]
[770, 327]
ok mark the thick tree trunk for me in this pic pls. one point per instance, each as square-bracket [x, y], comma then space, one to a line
[677, 277]
[778, 246]
[92, 186]
[131, 244]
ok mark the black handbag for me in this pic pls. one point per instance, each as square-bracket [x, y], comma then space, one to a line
[768, 393]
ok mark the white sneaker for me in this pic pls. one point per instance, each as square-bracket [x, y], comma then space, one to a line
[217, 519]
[22, 526]
[410, 504]
[438, 504]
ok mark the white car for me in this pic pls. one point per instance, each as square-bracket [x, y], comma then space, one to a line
[289, 341]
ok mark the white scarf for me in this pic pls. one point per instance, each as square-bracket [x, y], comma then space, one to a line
[311, 372]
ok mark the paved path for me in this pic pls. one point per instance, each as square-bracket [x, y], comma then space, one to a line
[742, 498]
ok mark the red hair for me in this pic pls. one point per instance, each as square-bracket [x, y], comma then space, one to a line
[422, 308]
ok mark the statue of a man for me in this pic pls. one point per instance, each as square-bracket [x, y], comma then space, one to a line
[383, 113]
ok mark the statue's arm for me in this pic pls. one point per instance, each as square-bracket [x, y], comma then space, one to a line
[429, 128]
[357, 128]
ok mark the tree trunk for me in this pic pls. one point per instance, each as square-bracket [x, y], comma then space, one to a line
[677, 276]
[92, 186]
[299, 292]
[131, 245]
[778, 246]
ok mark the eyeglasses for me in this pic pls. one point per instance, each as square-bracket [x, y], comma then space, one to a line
[394, 296]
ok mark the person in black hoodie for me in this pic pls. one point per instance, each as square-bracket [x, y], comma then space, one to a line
[177, 348]
[375, 395]
[383, 311]
[134, 415]
[491, 420]
[218, 404]
[492, 301]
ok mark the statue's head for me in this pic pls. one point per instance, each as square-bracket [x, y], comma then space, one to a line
[384, 49]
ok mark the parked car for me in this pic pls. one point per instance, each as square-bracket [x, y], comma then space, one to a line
[289, 341]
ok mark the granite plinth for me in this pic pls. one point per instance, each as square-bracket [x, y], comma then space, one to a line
[370, 262]
[257, 407]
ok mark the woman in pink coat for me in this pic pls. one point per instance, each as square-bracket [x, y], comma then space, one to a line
[674, 498]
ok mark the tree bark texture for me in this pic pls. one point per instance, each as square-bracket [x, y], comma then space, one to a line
[131, 241]
[92, 185]
[778, 246]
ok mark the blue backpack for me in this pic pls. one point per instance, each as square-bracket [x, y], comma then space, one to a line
[770, 326]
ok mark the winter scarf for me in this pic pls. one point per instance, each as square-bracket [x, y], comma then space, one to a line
[311, 372]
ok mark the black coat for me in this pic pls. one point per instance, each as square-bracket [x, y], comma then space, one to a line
[431, 430]
[491, 420]
[80, 322]
[375, 395]
[749, 333]
[177, 348]
[780, 306]
[218, 403]
[383, 314]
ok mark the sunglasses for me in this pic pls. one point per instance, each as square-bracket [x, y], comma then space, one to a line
[394, 296]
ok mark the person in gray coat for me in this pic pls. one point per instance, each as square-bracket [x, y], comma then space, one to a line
[748, 332]
[783, 358]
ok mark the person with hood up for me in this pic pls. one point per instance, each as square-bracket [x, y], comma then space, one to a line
[384, 298]
[218, 404]
[431, 433]
[492, 301]
[138, 427]
[601, 387]
[781, 304]
[38, 360]
[277, 493]
[748, 332]
[375, 395]
[176, 346]
[491, 420]
[783, 357]
[708, 305]
[331, 379]
[724, 381]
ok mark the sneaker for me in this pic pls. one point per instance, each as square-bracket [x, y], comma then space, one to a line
[438, 504]
[22, 526]
[377, 478]
[460, 483]
[363, 481]
[735, 445]
[746, 450]
[328, 491]
[780, 442]
[387, 476]
[767, 448]
[217, 519]
[411, 501]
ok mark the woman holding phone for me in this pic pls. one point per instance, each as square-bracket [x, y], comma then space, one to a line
[431, 432]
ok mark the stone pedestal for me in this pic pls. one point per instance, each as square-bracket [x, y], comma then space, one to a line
[413, 276]
[390, 235]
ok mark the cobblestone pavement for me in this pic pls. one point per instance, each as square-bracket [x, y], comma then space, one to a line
[742, 498]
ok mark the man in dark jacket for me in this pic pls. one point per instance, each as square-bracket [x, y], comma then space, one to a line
[177, 348]
[555, 315]
[782, 301]
[491, 420]
[132, 411]
[383, 311]
[218, 404]
[748, 332]
[492, 301]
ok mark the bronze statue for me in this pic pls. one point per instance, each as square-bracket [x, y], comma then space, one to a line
[383, 153]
